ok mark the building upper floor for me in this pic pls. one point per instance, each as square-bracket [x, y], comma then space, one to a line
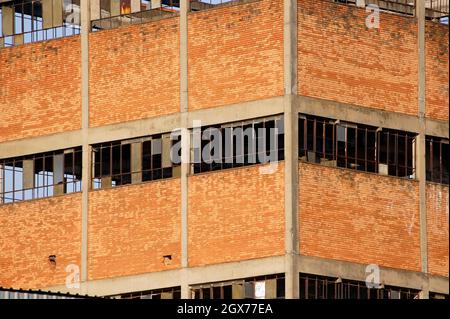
[235, 54]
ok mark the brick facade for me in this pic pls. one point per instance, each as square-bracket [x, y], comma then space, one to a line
[437, 224]
[340, 59]
[436, 70]
[234, 215]
[235, 54]
[32, 231]
[134, 72]
[359, 217]
[40, 89]
[131, 228]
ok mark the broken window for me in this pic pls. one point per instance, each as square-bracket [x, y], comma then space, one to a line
[321, 287]
[396, 153]
[257, 141]
[109, 14]
[437, 159]
[26, 21]
[134, 161]
[40, 175]
[356, 146]
[165, 293]
[264, 287]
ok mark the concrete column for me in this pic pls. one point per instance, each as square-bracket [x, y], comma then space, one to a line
[136, 162]
[85, 28]
[185, 144]
[291, 149]
[421, 149]
[184, 9]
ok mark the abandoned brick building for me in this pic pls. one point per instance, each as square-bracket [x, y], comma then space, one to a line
[92, 201]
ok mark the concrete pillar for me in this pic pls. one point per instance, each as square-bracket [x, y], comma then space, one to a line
[85, 28]
[115, 8]
[421, 149]
[361, 3]
[95, 9]
[7, 20]
[135, 6]
[28, 174]
[58, 174]
[291, 150]
[157, 4]
[136, 162]
[185, 144]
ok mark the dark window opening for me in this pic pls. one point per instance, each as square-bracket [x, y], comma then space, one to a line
[264, 287]
[321, 287]
[238, 144]
[166, 293]
[356, 146]
[437, 159]
[137, 160]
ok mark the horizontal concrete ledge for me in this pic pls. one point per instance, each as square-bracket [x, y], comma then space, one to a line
[388, 276]
[40, 144]
[164, 124]
[172, 278]
[254, 268]
[219, 115]
[236, 270]
[238, 112]
[368, 116]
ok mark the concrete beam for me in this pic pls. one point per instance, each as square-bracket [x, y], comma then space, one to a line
[33, 145]
[223, 114]
[374, 117]
[253, 268]
[173, 278]
[388, 276]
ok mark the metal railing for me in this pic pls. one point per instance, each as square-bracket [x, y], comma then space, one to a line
[434, 8]
[199, 5]
[166, 10]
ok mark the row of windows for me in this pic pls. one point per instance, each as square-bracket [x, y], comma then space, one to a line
[320, 287]
[355, 146]
[273, 287]
[26, 21]
[134, 161]
[366, 148]
[321, 140]
[238, 144]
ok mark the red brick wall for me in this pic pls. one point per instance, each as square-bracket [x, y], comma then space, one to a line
[131, 228]
[40, 88]
[32, 231]
[437, 223]
[134, 72]
[340, 59]
[235, 54]
[234, 215]
[359, 217]
[437, 76]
